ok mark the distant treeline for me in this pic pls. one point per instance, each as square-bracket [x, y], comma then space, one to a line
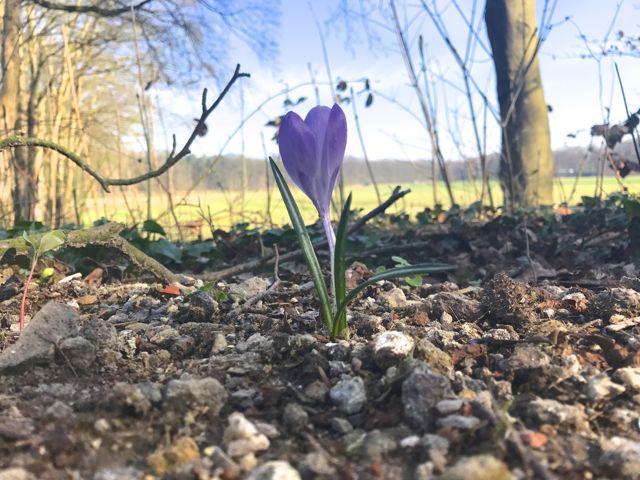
[227, 173]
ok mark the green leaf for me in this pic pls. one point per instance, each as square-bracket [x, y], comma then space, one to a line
[50, 241]
[305, 245]
[420, 269]
[151, 226]
[339, 263]
[415, 280]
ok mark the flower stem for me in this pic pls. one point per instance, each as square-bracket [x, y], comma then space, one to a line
[24, 294]
[331, 239]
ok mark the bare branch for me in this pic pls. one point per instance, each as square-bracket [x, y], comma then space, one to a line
[20, 141]
[92, 9]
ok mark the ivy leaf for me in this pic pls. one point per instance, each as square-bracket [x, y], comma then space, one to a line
[151, 226]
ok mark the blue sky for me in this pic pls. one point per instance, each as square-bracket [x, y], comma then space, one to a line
[571, 82]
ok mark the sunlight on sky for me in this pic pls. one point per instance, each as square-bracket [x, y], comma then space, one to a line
[571, 82]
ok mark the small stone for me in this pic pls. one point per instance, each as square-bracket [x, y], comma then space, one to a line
[341, 425]
[249, 288]
[600, 388]
[219, 344]
[130, 398]
[248, 462]
[79, 352]
[37, 343]
[477, 467]
[500, 335]
[319, 463]
[317, 391]
[200, 307]
[394, 298]
[630, 377]
[552, 412]
[16, 474]
[349, 395]
[274, 470]
[421, 391]
[242, 437]
[437, 359]
[449, 406]
[391, 347]
[59, 411]
[167, 460]
[377, 443]
[525, 358]
[295, 418]
[459, 422]
[620, 458]
[199, 395]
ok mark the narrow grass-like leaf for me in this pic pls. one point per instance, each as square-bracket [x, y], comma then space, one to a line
[305, 245]
[339, 263]
[419, 269]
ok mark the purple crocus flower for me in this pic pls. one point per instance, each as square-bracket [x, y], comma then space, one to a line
[312, 152]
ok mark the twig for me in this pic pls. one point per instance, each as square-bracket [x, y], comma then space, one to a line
[173, 158]
[626, 108]
[396, 195]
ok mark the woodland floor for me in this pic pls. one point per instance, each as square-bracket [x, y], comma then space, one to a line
[523, 363]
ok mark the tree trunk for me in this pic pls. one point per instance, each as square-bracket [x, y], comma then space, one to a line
[526, 165]
[24, 192]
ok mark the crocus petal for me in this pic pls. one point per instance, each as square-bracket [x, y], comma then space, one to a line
[318, 119]
[297, 145]
[333, 147]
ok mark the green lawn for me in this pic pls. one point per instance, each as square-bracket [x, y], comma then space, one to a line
[227, 209]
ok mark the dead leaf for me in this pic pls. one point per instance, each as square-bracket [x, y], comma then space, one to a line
[86, 300]
[94, 279]
[171, 290]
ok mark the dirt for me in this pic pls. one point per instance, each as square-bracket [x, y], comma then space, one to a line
[521, 364]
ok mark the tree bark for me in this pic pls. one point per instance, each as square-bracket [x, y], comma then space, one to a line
[526, 165]
[24, 191]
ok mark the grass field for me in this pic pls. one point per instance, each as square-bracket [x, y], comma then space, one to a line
[228, 208]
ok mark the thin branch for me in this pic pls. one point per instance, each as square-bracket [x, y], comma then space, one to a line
[396, 195]
[20, 141]
[92, 9]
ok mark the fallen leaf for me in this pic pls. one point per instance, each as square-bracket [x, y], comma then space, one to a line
[171, 290]
[87, 300]
[534, 439]
[94, 279]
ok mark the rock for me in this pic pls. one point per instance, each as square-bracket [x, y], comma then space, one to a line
[219, 344]
[477, 467]
[620, 458]
[630, 377]
[449, 406]
[600, 388]
[421, 391]
[117, 473]
[376, 444]
[166, 460]
[341, 425]
[199, 308]
[133, 398]
[453, 305]
[274, 470]
[16, 474]
[79, 352]
[349, 395]
[248, 288]
[319, 463]
[438, 360]
[394, 298]
[459, 422]
[295, 418]
[498, 335]
[552, 412]
[242, 437]
[525, 358]
[202, 395]
[615, 301]
[316, 391]
[37, 343]
[59, 411]
[391, 347]
[104, 338]
[509, 302]
[16, 428]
